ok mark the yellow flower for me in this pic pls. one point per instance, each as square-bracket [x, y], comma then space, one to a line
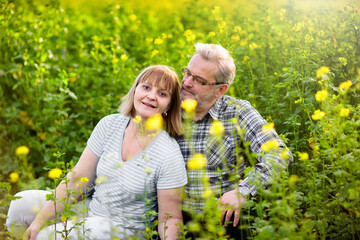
[189, 35]
[321, 95]
[154, 122]
[293, 179]
[100, 179]
[344, 86]
[22, 150]
[270, 145]
[235, 38]
[300, 100]
[63, 219]
[267, 127]
[343, 61]
[344, 112]
[14, 177]
[318, 115]
[207, 193]
[154, 53]
[132, 17]
[137, 119]
[55, 173]
[216, 128]
[246, 58]
[322, 71]
[197, 161]
[211, 34]
[115, 61]
[84, 180]
[158, 41]
[303, 156]
[189, 105]
[147, 171]
[284, 154]
[124, 57]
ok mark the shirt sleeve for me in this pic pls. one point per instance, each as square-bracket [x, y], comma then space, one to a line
[173, 172]
[269, 161]
[98, 136]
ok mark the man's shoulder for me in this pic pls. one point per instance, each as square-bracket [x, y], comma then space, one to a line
[232, 104]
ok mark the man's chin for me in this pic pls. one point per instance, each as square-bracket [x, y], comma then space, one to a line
[186, 95]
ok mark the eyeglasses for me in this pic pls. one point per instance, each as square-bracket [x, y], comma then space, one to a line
[196, 79]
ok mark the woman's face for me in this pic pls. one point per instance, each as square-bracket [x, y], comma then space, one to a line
[150, 100]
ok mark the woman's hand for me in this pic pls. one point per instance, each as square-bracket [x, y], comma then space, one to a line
[32, 231]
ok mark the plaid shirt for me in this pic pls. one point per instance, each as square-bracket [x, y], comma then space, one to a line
[227, 155]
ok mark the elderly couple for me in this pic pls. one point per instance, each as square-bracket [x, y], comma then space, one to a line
[145, 170]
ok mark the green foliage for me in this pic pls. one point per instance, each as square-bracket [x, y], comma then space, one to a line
[62, 69]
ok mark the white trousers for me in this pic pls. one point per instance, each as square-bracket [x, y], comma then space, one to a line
[23, 211]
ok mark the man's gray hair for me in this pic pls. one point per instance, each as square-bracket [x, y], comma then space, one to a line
[225, 63]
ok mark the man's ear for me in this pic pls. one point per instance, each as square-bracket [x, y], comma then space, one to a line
[221, 90]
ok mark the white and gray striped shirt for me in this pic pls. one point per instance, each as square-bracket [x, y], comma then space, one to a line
[126, 186]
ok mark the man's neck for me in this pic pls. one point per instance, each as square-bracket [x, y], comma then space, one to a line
[203, 109]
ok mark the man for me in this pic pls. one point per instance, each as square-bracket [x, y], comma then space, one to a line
[207, 78]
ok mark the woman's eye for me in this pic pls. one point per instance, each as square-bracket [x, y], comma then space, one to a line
[162, 94]
[146, 87]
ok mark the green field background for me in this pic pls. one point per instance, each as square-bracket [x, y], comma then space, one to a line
[66, 64]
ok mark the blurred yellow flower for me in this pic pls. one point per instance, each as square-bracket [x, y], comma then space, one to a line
[284, 154]
[22, 150]
[322, 71]
[300, 100]
[114, 60]
[270, 145]
[235, 38]
[343, 61]
[147, 171]
[100, 179]
[211, 34]
[137, 119]
[318, 115]
[293, 179]
[303, 156]
[189, 105]
[132, 17]
[55, 173]
[344, 86]
[154, 122]
[84, 180]
[207, 193]
[321, 95]
[216, 128]
[158, 41]
[154, 52]
[246, 58]
[344, 112]
[268, 127]
[197, 161]
[189, 35]
[63, 219]
[14, 177]
[124, 57]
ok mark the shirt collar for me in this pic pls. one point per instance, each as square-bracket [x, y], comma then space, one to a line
[215, 110]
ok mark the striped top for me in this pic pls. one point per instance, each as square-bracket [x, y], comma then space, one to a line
[123, 186]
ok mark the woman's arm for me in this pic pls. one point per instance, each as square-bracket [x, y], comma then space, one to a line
[170, 217]
[85, 168]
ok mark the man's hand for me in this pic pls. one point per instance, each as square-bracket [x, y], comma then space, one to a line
[231, 203]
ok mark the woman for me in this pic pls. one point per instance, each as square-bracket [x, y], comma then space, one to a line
[141, 170]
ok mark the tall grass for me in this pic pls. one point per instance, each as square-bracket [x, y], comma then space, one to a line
[63, 69]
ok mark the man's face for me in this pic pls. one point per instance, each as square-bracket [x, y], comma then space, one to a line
[203, 94]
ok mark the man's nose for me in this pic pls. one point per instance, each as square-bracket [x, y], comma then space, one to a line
[187, 82]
